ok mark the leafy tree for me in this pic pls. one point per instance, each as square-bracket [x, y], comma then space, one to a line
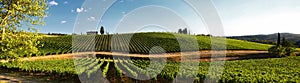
[297, 43]
[283, 42]
[102, 30]
[290, 51]
[184, 31]
[286, 43]
[179, 31]
[15, 41]
[278, 51]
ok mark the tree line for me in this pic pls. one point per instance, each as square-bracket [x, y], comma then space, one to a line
[283, 47]
[183, 31]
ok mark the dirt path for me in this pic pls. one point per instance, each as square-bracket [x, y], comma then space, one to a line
[9, 79]
[205, 55]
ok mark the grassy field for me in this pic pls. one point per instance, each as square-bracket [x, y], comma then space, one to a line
[256, 70]
[139, 43]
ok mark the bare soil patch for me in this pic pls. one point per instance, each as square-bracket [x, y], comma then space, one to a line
[202, 56]
[8, 79]
[19, 76]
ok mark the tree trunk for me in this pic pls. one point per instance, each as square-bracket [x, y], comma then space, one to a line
[3, 24]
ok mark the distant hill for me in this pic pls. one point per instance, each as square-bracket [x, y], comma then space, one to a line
[270, 39]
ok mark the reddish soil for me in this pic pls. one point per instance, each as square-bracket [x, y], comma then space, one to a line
[191, 56]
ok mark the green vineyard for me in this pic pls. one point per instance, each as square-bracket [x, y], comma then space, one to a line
[137, 43]
[257, 70]
[124, 69]
[149, 41]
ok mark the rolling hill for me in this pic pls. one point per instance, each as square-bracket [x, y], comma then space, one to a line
[140, 43]
[271, 38]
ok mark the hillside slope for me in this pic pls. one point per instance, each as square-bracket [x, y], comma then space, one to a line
[271, 38]
[139, 43]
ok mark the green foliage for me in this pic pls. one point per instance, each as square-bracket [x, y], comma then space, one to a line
[127, 68]
[290, 51]
[29, 12]
[118, 70]
[62, 67]
[285, 48]
[61, 44]
[286, 43]
[16, 42]
[262, 70]
[105, 70]
[256, 70]
[297, 43]
[232, 44]
[281, 51]
[278, 51]
[19, 45]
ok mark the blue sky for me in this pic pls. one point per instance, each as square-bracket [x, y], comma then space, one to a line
[239, 17]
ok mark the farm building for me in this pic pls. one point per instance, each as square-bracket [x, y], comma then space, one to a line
[92, 32]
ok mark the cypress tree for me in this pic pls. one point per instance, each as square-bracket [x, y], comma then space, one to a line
[284, 42]
[102, 30]
[278, 39]
[184, 31]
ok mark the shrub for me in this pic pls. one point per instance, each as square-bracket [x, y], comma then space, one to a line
[290, 51]
[281, 51]
[278, 51]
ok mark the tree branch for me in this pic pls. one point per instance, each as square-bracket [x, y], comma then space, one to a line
[3, 26]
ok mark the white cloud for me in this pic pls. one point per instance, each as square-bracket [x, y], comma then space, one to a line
[91, 18]
[79, 10]
[66, 2]
[63, 22]
[53, 3]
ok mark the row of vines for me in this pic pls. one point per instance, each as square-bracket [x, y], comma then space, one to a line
[260, 70]
[143, 43]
